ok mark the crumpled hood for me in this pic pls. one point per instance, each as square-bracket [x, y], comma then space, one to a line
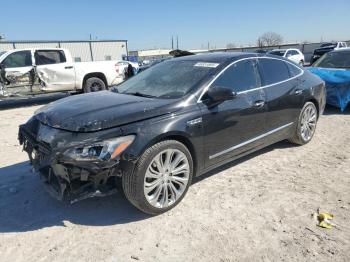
[101, 110]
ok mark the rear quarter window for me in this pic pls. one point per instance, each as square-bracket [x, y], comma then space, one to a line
[273, 70]
[293, 70]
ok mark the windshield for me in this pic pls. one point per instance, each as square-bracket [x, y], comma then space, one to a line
[278, 52]
[334, 60]
[169, 79]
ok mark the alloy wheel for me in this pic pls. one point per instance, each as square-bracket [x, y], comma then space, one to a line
[308, 122]
[166, 178]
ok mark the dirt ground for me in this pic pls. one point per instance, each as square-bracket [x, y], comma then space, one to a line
[256, 209]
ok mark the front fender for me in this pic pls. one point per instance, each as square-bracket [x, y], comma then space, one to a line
[171, 126]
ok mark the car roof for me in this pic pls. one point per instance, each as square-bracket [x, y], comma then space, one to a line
[279, 49]
[285, 49]
[225, 57]
[218, 57]
[33, 49]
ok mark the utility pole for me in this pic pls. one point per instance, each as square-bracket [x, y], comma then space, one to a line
[172, 42]
[177, 42]
[208, 45]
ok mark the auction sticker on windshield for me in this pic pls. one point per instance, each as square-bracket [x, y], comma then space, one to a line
[203, 64]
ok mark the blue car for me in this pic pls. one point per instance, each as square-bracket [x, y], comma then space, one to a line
[334, 69]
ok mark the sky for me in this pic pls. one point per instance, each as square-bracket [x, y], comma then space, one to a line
[152, 23]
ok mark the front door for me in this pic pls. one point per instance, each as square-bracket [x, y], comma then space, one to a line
[17, 74]
[54, 70]
[231, 128]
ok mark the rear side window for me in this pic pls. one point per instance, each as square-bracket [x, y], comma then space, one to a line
[293, 70]
[241, 76]
[273, 71]
[49, 57]
[18, 59]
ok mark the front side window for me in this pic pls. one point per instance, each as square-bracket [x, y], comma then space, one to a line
[18, 59]
[273, 70]
[339, 59]
[49, 57]
[169, 80]
[241, 76]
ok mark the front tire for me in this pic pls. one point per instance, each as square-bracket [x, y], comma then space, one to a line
[161, 177]
[94, 84]
[306, 125]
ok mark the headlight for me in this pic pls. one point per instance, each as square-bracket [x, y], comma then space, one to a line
[104, 150]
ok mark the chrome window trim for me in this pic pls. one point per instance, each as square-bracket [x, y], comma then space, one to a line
[254, 89]
[250, 141]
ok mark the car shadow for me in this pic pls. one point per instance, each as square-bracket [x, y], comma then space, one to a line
[26, 206]
[279, 145]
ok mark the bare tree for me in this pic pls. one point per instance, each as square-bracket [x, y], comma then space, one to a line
[231, 45]
[269, 39]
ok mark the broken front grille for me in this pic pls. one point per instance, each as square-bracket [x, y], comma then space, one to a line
[38, 152]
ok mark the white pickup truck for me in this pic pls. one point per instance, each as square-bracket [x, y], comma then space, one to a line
[37, 71]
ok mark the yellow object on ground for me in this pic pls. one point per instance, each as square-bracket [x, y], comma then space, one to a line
[324, 220]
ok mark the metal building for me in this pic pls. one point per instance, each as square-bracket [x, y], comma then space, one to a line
[82, 51]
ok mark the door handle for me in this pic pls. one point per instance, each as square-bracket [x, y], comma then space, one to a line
[259, 103]
[298, 91]
[68, 67]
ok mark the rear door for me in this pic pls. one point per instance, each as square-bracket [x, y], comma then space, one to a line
[231, 127]
[284, 92]
[55, 70]
[18, 71]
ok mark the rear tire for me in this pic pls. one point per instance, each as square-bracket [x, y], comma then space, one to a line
[94, 84]
[157, 184]
[306, 125]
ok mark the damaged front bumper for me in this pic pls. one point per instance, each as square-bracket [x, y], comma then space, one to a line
[69, 180]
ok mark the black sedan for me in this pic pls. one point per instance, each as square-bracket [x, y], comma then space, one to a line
[179, 119]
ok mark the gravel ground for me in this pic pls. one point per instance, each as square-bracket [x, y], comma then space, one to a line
[257, 208]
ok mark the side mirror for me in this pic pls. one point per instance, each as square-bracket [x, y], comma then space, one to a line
[218, 94]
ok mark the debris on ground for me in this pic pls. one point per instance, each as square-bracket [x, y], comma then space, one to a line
[324, 219]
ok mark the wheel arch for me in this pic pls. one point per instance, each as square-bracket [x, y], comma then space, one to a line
[181, 137]
[95, 74]
[315, 102]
